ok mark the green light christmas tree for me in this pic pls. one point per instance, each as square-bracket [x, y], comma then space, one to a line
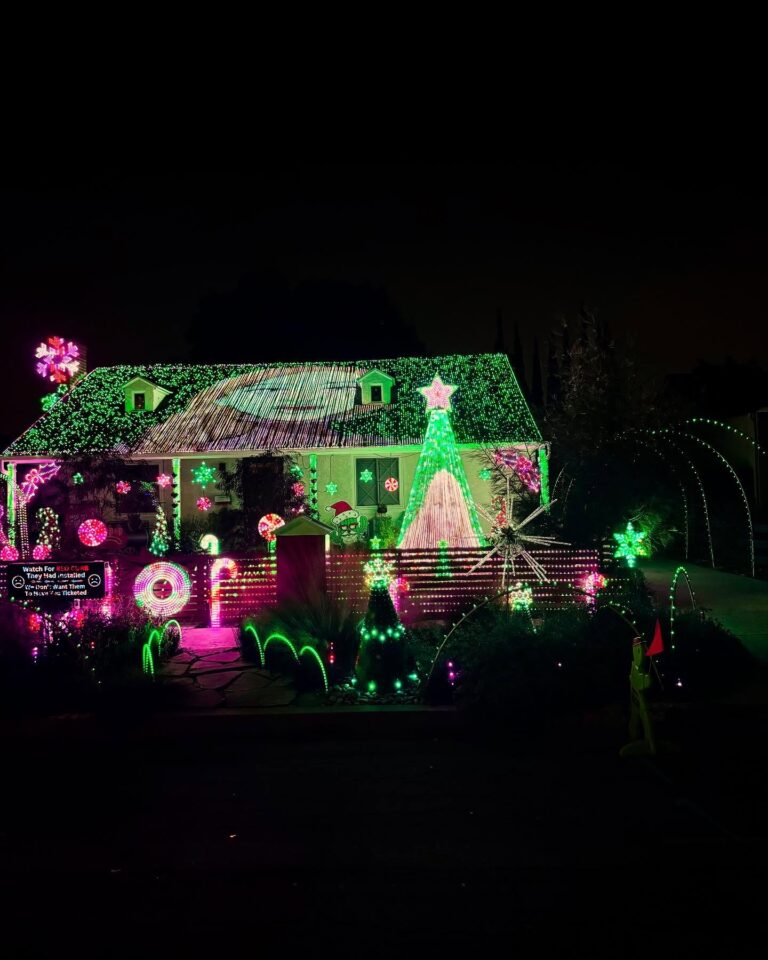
[49, 532]
[161, 539]
[440, 507]
[381, 664]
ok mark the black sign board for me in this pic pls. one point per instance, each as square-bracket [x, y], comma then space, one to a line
[63, 581]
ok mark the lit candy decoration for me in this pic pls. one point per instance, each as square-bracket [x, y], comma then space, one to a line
[331, 487]
[162, 589]
[268, 524]
[203, 474]
[123, 487]
[204, 503]
[9, 553]
[164, 480]
[210, 543]
[298, 489]
[591, 584]
[78, 478]
[41, 552]
[57, 359]
[36, 477]
[219, 567]
[366, 476]
[378, 572]
[391, 484]
[630, 545]
[92, 533]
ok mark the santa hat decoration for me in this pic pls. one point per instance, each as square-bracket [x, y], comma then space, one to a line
[342, 511]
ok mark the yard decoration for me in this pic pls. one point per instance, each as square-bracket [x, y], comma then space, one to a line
[49, 533]
[92, 533]
[57, 360]
[203, 475]
[161, 540]
[440, 506]
[349, 525]
[630, 544]
[162, 589]
[268, 524]
[381, 664]
[204, 504]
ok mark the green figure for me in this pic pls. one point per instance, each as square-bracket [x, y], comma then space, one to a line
[639, 720]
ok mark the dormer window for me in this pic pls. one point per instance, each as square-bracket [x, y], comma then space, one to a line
[376, 387]
[141, 395]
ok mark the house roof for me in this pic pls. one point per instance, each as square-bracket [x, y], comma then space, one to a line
[257, 407]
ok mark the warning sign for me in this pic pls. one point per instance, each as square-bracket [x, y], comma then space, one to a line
[64, 581]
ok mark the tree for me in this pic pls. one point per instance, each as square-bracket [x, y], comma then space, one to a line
[382, 661]
[161, 539]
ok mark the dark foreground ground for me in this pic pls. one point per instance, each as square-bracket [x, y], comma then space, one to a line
[379, 835]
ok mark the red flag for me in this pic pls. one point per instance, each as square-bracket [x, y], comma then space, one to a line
[657, 644]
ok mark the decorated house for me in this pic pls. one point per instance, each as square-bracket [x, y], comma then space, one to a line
[387, 450]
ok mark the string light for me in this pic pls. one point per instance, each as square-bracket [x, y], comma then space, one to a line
[92, 533]
[680, 571]
[219, 567]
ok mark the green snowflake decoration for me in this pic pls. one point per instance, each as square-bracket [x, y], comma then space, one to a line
[203, 474]
[375, 543]
[630, 545]
[366, 476]
[78, 478]
[331, 487]
[485, 474]
[297, 472]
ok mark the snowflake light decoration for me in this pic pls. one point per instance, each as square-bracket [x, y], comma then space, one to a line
[298, 489]
[331, 487]
[378, 572]
[485, 474]
[57, 359]
[204, 503]
[78, 478]
[203, 474]
[366, 476]
[123, 487]
[509, 542]
[630, 545]
[164, 480]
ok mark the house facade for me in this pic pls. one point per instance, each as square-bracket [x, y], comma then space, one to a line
[352, 431]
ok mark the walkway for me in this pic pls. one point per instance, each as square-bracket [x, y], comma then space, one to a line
[211, 673]
[739, 603]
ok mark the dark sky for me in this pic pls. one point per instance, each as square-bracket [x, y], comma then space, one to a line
[672, 252]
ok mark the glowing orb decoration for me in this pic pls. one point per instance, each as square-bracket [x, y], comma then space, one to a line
[391, 484]
[92, 533]
[204, 503]
[164, 480]
[41, 552]
[57, 359]
[9, 553]
[210, 543]
[162, 589]
[123, 486]
[268, 524]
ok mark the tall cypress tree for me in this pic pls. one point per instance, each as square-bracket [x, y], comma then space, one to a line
[440, 505]
[381, 663]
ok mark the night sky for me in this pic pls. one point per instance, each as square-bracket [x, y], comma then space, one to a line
[673, 254]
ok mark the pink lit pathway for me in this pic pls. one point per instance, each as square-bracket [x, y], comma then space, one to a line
[211, 673]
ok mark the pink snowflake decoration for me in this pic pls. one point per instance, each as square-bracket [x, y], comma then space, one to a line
[204, 503]
[123, 486]
[391, 484]
[525, 469]
[164, 480]
[57, 359]
[298, 489]
[41, 552]
[9, 553]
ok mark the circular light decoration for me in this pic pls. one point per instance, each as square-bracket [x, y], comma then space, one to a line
[41, 552]
[164, 480]
[9, 552]
[391, 484]
[162, 589]
[92, 533]
[123, 486]
[204, 503]
[268, 524]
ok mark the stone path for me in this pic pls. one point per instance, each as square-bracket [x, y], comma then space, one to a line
[211, 673]
[740, 603]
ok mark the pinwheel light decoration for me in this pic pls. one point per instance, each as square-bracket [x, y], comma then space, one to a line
[57, 359]
[509, 539]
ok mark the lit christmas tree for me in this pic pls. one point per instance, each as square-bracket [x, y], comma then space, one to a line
[440, 506]
[381, 664]
[49, 533]
[161, 540]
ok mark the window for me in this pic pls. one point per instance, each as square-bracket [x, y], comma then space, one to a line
[375, 480]
[139, 401]
[376, 394]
